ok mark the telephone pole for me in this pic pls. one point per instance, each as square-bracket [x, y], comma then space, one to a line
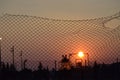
[12, 51]
[55, 65]
[0, 52]
[21, 52]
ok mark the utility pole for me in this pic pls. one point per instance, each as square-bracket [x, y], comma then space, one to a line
[55, 65]
[88, 59]
[0, 53]
[12, 51]
[21, 52]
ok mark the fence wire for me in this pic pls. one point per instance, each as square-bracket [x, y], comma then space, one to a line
[45, 40]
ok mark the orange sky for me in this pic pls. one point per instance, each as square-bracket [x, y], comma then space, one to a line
[52, 38]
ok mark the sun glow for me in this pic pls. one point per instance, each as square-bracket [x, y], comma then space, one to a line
[81, 54]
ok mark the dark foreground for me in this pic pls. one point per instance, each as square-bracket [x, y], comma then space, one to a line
[97, 72]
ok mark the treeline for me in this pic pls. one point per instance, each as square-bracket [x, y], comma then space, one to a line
[97, 72]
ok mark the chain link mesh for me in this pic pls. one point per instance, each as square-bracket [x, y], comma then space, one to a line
[45, 40]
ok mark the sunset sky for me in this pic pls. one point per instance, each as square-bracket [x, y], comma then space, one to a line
[43, 38]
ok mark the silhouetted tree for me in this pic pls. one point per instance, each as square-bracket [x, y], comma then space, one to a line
[65, 62]
[95, 70]
[7, 66]
[24, 63]
[12, 67]
[40, 66]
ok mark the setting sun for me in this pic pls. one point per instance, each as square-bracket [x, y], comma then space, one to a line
[80, 54]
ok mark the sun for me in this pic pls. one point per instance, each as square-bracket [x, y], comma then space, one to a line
[81, 54]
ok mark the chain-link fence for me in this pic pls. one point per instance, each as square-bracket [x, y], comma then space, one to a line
[46, 40]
